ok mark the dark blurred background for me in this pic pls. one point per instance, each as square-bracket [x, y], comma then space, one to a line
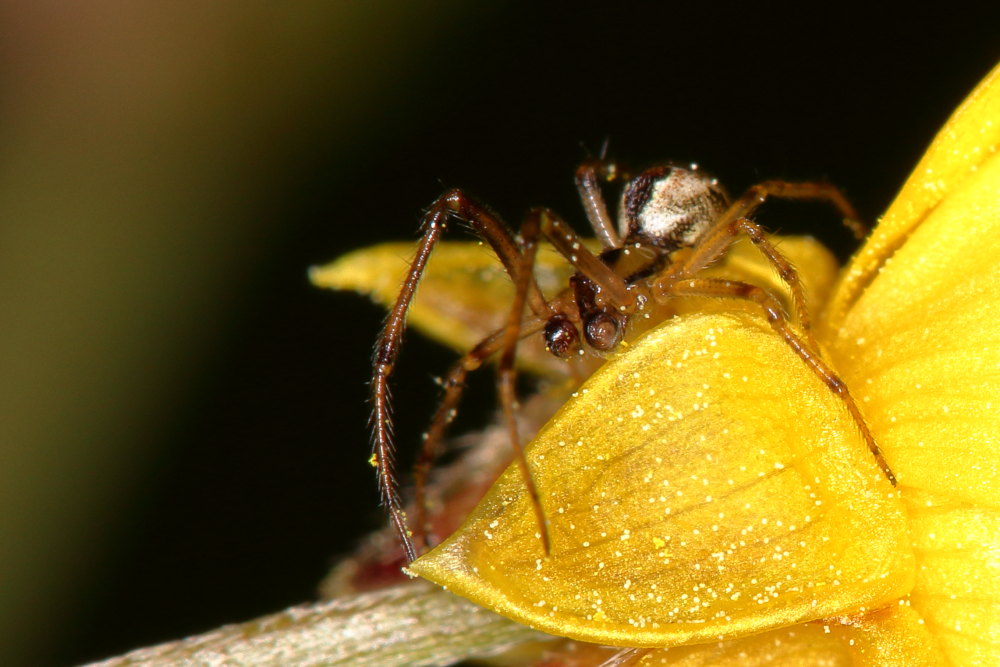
[183, 439]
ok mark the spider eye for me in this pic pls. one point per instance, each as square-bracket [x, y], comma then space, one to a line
[603, 331]
[561, 337]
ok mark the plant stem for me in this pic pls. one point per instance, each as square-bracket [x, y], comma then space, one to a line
[410, 624]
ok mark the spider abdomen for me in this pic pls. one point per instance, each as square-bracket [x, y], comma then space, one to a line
[670, 206]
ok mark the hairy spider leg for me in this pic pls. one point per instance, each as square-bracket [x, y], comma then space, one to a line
[507, 373]
[452, 204]
[504, 340]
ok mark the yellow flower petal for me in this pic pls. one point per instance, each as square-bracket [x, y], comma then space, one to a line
[969, 138]
[958, 587]
[805, 645]
[892, 637]
[703, 485]
[464, 296]
[920, 348]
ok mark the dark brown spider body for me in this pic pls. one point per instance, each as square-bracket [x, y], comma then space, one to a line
[673, 222]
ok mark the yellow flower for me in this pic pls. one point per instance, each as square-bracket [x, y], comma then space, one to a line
[709, 497]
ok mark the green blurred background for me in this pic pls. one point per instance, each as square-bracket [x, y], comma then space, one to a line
[182, 417]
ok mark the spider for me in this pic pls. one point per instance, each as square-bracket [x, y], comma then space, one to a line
[673, 222]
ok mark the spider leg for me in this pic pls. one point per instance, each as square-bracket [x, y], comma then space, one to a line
[504, 341]
[452, 204]
[613, 287]
[819, 190]
[588, 185]
[712, 245]
[453, 385]
[671, 286]
[507, 373]
[716, 241]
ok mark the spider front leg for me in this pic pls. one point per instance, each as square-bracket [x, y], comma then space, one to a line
[452, 204]
[505, 342]
[667, 287]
